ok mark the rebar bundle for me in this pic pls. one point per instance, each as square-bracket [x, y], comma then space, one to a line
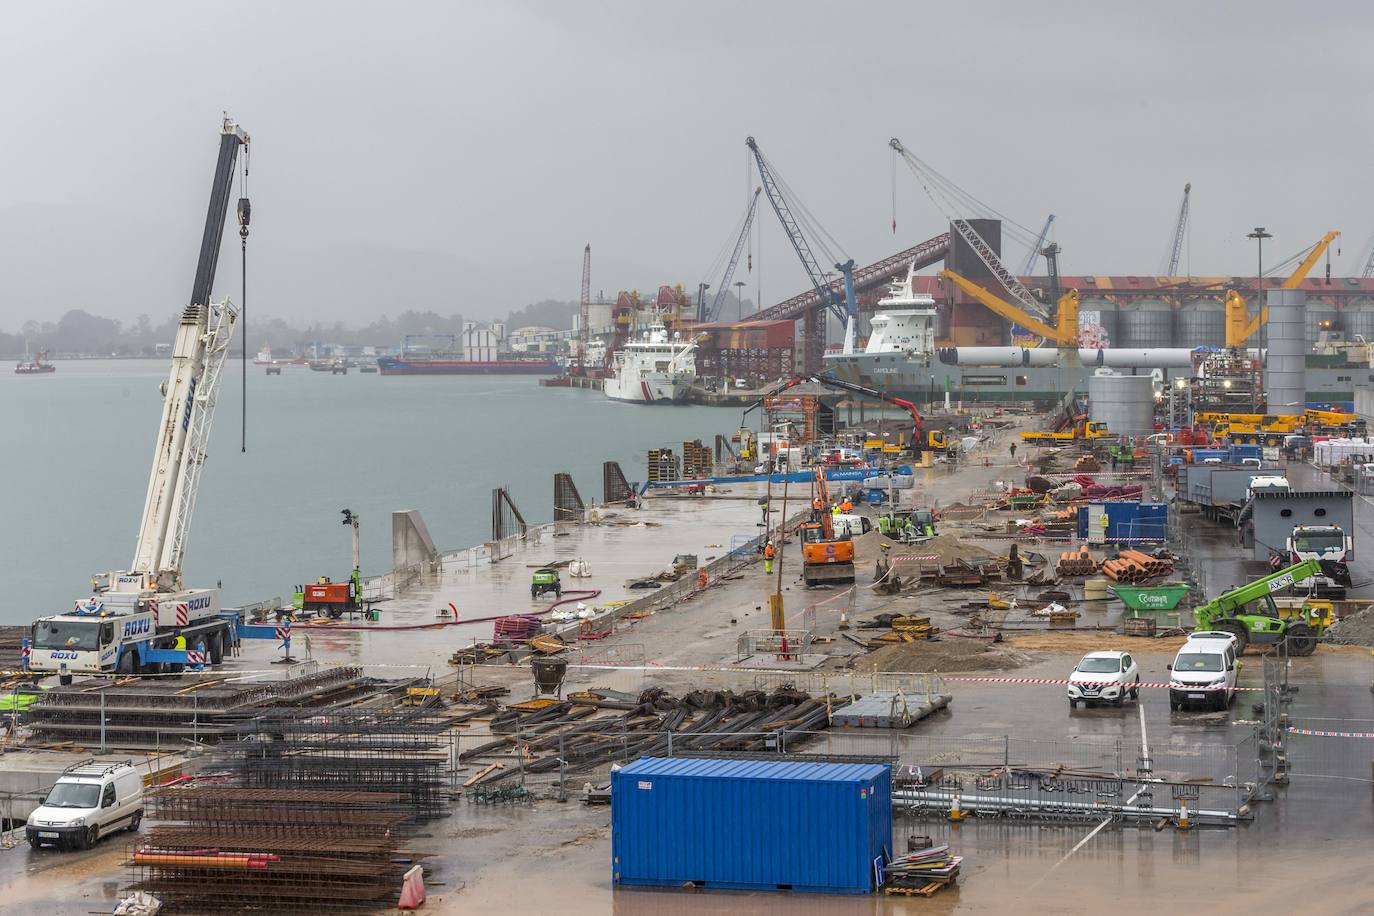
[220, 849]
[164, 711]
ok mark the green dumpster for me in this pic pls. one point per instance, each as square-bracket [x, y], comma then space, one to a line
[1151, 597]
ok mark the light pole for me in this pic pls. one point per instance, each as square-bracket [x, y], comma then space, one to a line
[1259, 235]
[739, 298]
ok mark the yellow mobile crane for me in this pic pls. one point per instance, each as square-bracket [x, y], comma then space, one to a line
[1240, 324]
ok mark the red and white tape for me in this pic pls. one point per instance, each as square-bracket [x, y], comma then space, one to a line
[1065, 681]
[1316, 733]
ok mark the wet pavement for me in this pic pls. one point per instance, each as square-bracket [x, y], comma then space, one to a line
[1305, 850]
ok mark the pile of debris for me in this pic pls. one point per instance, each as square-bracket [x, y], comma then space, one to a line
[922, 872]
[598, 727]
[900, 628]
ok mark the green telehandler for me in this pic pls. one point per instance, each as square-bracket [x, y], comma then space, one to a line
[1250, 614]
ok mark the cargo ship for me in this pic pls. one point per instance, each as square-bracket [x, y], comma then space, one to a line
[902, 358]
[434, 365]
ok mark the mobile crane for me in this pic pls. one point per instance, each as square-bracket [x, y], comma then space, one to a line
[135, 619]
[1250, 614]
[932, 440]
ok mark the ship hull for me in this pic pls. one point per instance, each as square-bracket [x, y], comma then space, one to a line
[924, 380]
[389, 365]
[647, 391]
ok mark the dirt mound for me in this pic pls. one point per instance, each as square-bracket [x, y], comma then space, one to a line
[948, 548]
[1357, 629]
[940, 656]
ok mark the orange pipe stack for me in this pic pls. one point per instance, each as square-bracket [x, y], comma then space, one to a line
[1152, 566]
[1123, 571]
[1076, 563]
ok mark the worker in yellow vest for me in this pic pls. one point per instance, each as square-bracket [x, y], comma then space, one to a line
[768, 553]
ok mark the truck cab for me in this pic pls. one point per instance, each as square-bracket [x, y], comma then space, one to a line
[130, 632]
[1329, 545]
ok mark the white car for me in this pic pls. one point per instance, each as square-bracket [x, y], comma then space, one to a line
[1204, 671]
[1104, 677]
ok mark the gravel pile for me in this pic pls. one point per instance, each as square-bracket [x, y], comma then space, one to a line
[1357, 629]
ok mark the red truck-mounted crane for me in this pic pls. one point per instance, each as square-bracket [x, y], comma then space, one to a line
[934, 440]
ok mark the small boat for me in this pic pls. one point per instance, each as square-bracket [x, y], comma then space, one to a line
[39, 365]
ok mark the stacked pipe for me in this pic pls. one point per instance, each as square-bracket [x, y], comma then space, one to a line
[1153, 566]
[1135, 566]
[1076, 563]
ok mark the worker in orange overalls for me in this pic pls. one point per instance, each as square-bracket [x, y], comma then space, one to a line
[768, 553]
[846, 507]
[817, 507]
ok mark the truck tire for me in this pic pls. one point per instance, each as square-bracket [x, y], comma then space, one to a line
[216, 648]
[1299, 640]
[1236, 629]
[128, 663]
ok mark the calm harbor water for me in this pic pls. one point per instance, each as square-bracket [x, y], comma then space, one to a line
[78, 447]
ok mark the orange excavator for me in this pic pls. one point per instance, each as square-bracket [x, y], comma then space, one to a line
[825, 557]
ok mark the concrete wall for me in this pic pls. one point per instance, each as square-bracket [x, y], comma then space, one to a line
[411, 544]
[1272, 526]
[1364, 403]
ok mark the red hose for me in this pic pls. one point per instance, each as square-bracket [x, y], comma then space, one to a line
[568, 598]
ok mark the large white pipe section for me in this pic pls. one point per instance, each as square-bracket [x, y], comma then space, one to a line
[1113, 358]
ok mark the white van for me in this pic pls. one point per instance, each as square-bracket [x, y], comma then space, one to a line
[88, 801]
[1204, 671]
[853, 525]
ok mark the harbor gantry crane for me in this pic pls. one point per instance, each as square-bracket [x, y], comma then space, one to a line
[1240, 324]
[844, 308]
[1180, 231]
[1024, 309]
[1037, 247]
[712, 312]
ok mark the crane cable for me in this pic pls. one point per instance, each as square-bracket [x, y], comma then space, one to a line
[245, 210]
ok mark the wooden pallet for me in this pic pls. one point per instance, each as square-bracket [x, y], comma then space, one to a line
[924, 890]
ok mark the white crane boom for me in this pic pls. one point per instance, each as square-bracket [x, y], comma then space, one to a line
[202, 343]
[188, 407]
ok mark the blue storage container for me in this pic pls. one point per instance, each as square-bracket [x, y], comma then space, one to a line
[1129, 522]
[751, 824]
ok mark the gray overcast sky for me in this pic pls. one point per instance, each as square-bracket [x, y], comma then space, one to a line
[457, 156]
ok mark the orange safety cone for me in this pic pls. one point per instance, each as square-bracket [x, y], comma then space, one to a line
[412, 889]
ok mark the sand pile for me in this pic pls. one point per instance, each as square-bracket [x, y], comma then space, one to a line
[940, 656]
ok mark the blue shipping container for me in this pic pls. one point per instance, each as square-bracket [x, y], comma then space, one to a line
[1128, 522]
[758, 825]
